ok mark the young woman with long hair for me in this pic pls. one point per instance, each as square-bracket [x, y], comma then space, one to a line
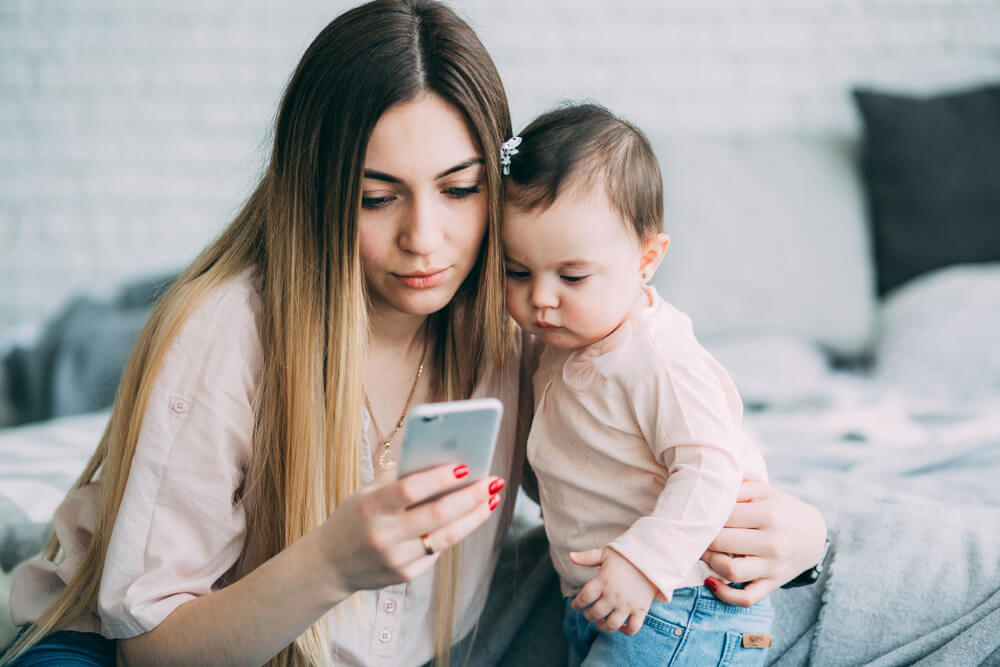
[241, 507]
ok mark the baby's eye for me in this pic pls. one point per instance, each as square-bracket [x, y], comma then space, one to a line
[574, 279]
[461, 193]
[375, 202]
[517, 275]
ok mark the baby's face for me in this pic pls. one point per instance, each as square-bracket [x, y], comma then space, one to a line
[573, 270]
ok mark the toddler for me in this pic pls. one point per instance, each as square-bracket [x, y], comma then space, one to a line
[637, 440]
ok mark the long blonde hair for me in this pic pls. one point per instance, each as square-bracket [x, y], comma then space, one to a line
[299, 229]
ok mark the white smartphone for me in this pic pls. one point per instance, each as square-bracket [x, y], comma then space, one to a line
[452, 432]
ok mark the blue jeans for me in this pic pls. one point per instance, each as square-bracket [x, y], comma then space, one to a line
[80, 649]
[695, 628]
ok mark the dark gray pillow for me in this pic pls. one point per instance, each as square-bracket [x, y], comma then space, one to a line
[76, 365]
[932, 168]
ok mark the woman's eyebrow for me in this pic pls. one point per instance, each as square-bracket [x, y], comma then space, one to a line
[388, 178]
[381, 176]
[459, 167]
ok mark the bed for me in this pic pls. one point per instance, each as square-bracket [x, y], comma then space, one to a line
[871, 379]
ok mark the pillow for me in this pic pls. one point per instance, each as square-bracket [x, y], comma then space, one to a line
[932, 168]
[940, 334]
[768, 235]
[773, 370]
[77, 360]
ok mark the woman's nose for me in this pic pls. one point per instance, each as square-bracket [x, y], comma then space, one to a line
[422, 232]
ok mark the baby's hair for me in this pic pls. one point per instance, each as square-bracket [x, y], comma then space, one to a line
[583, 145]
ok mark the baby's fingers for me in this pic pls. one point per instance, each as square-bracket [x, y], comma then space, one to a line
[599, 610]
[588, 595]
[614, 620]
[589, 558]
[635, 621]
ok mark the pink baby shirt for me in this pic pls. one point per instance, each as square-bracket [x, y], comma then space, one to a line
[637, 444]
[178, 529]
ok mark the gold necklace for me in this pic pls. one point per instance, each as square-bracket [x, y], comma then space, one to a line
[384, 462]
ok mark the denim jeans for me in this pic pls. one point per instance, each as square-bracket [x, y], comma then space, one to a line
[76, 649]
[695, 628]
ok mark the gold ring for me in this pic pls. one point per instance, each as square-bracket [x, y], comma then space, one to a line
[427, 545]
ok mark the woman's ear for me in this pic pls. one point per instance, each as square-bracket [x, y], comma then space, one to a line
[653, 250]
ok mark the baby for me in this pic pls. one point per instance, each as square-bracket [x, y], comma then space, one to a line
[637, 440]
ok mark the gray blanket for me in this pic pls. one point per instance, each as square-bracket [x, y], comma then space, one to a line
[907, 584]
[914, 576]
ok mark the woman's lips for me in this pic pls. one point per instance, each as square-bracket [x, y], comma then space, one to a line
[423, 279]
[546, 326]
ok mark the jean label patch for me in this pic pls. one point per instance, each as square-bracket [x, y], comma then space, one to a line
[756, 641]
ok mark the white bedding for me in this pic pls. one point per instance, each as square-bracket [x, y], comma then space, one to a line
[39, 462]
[871, 441]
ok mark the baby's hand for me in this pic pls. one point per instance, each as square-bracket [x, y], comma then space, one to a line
[619, 594]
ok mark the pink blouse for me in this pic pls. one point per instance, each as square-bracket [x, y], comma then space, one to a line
[178, 529]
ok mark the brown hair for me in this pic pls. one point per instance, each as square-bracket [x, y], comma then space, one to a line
[300, 229]
[574, 146]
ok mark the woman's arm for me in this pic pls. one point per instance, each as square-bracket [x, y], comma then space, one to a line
[775, 536]
[372, 540]
[247, 622]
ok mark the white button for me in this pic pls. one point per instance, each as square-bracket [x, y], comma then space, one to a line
[678, 632]
[385, 636]
[389, 606]
[178, 405]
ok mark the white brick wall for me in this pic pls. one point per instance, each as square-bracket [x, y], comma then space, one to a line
[130, 131]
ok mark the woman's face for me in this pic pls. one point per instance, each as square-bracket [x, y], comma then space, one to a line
[423, 207]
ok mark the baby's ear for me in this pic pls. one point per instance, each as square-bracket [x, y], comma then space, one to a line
[653, 250]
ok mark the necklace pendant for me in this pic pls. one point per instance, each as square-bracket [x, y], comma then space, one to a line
[384, 462]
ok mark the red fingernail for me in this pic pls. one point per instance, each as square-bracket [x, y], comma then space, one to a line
[497, 484]
[494, 501]
[712, 585]
[461, 471]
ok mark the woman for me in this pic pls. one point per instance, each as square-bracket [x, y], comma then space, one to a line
[244, 486]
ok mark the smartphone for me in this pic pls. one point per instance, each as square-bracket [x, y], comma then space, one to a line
[452, 432]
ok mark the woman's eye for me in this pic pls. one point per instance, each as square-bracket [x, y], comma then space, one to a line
[375, 202]
[461, 193]
[516, 275]
[574, 279]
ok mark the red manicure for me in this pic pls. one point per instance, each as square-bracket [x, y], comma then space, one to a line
[494, 501]
[497, 484]
[461, 471]
[712, 585]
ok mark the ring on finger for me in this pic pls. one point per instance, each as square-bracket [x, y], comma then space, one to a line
[428, 549]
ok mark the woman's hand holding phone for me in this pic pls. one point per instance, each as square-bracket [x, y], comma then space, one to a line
[390, 532]
[380, 535]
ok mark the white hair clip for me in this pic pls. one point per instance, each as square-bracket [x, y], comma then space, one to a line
[508, 149]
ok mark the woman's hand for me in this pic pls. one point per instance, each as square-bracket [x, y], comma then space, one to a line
[771, 537]
[376, 537]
